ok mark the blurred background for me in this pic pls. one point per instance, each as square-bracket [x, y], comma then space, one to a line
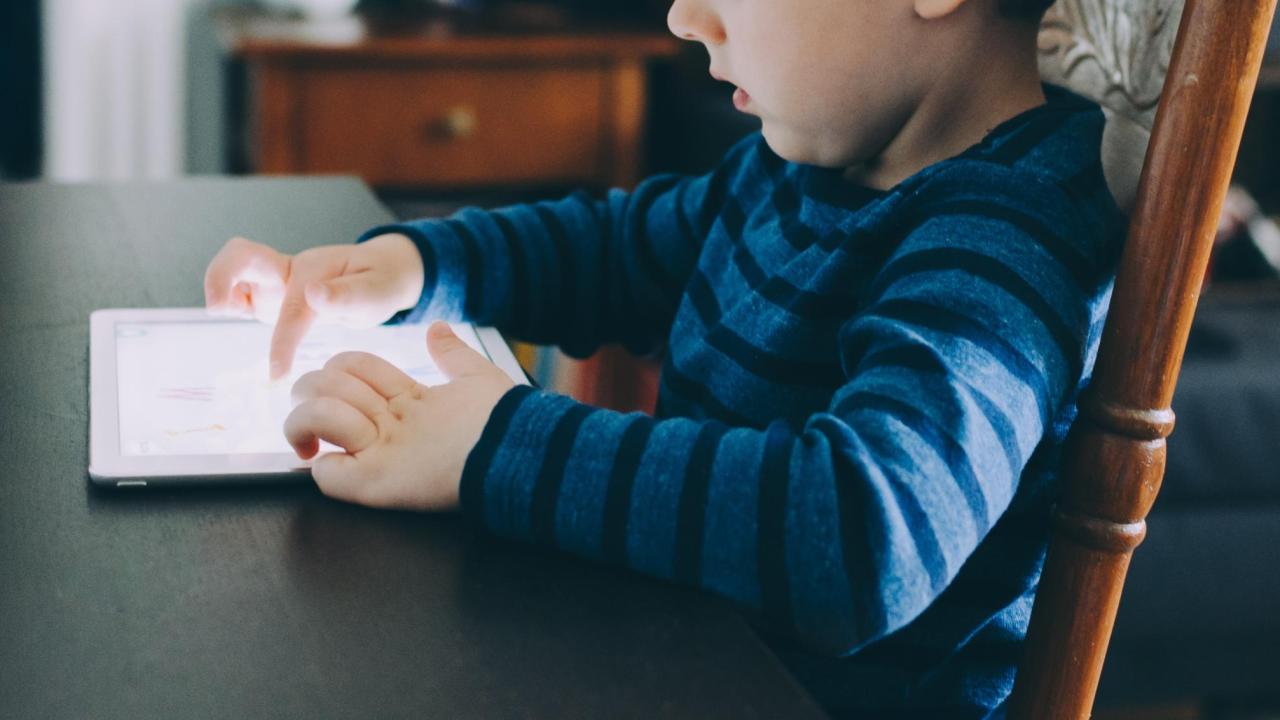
[439, 104]
[157, 88]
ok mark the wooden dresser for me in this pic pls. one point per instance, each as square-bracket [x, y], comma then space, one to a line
[446, 103]
[456, 103]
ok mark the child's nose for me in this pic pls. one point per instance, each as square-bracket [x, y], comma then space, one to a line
[695, 20]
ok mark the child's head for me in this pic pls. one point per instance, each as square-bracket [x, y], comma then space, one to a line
[836, 81]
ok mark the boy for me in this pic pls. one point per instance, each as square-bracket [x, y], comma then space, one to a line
[879, 313]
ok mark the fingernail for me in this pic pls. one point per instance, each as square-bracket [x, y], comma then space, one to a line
[277, 369]
[440, 328]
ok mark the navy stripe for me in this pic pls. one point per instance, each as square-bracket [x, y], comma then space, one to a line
[798, 235]
[1000, 132]
[609, 295]
[430, 264]
[519, 319]
[645, 248]
[771, 551]
[773, 165]
[786, 201]
[921, 358]
[762, 363]
[546, 492]
[1031, 135]
[1003, 427]
[564, 260]
[935, 434]
[987, 589]
[703, 299]
[718, 186]
[1086, 186]
[916, 652]
[914, 313]
[926, 360]
[677, 383]
[476, 467]
[732, 219]
[430, 269]
[617, 502]
[690, 237]
[860, 539]
[474, 268]
[1082, 268]
[832, 304]
[692, 513]
[993, 271]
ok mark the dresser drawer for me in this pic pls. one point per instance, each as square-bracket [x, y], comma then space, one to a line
[452, 126]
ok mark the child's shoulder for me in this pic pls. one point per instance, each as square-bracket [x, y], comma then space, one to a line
[1046, 162]
[1059, 142]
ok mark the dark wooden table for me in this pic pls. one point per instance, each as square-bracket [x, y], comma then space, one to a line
[275, 601]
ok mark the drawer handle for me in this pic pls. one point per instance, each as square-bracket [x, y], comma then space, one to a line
[457, 123]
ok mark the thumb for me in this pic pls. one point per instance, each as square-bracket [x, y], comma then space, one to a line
[455, 358]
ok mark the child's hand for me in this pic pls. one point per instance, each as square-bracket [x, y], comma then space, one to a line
[405, 443]
[355, 285]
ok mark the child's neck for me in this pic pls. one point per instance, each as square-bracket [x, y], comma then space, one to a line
[959, 108]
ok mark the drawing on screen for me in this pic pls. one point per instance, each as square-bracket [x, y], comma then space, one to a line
[194, 394]
[216, 427]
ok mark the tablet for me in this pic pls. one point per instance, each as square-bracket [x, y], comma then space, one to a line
[179, 397]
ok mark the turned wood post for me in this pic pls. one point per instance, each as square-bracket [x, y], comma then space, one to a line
[1116, 453]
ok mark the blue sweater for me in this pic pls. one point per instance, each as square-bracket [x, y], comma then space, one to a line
[863, 402]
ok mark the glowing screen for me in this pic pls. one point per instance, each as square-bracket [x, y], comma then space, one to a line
[201, 388]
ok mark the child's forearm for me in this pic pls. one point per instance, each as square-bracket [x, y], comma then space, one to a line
[576, 272]
[810, 530]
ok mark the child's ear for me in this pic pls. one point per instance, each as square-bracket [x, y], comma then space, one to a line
[934, 9]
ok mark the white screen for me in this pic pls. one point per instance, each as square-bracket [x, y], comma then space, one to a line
[201, 388]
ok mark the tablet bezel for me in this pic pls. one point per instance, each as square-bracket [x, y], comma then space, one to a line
[109, 467]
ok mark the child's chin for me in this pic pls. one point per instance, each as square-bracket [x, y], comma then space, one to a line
[788, 145]
[783, 144]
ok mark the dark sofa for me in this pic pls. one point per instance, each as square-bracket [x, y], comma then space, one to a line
[1199, 620]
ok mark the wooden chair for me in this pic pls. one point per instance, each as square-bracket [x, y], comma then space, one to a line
[1118, 53]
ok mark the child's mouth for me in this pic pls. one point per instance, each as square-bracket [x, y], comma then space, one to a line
[741, 99]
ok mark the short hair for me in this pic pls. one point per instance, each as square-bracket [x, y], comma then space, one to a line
[1031, 10]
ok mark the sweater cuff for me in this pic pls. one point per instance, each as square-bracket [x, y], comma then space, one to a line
[436, 250]
[500, 473]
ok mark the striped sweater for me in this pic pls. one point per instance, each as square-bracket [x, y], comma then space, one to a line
[862, 406]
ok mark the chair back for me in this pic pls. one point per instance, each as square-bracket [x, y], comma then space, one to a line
[1115, 52]
[1112, 51]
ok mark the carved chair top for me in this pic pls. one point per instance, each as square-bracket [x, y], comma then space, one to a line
[1115, 52]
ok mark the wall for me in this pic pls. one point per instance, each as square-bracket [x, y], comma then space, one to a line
[114, 89]
[20, 88]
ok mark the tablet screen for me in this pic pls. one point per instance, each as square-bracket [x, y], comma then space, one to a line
[201, 388]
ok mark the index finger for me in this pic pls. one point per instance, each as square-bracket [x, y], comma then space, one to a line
[331, 420]
[295, 319]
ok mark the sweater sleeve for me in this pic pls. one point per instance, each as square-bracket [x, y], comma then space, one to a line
[576, 272]
[843, 528]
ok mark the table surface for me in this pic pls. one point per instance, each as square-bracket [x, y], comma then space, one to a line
[275, 601]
